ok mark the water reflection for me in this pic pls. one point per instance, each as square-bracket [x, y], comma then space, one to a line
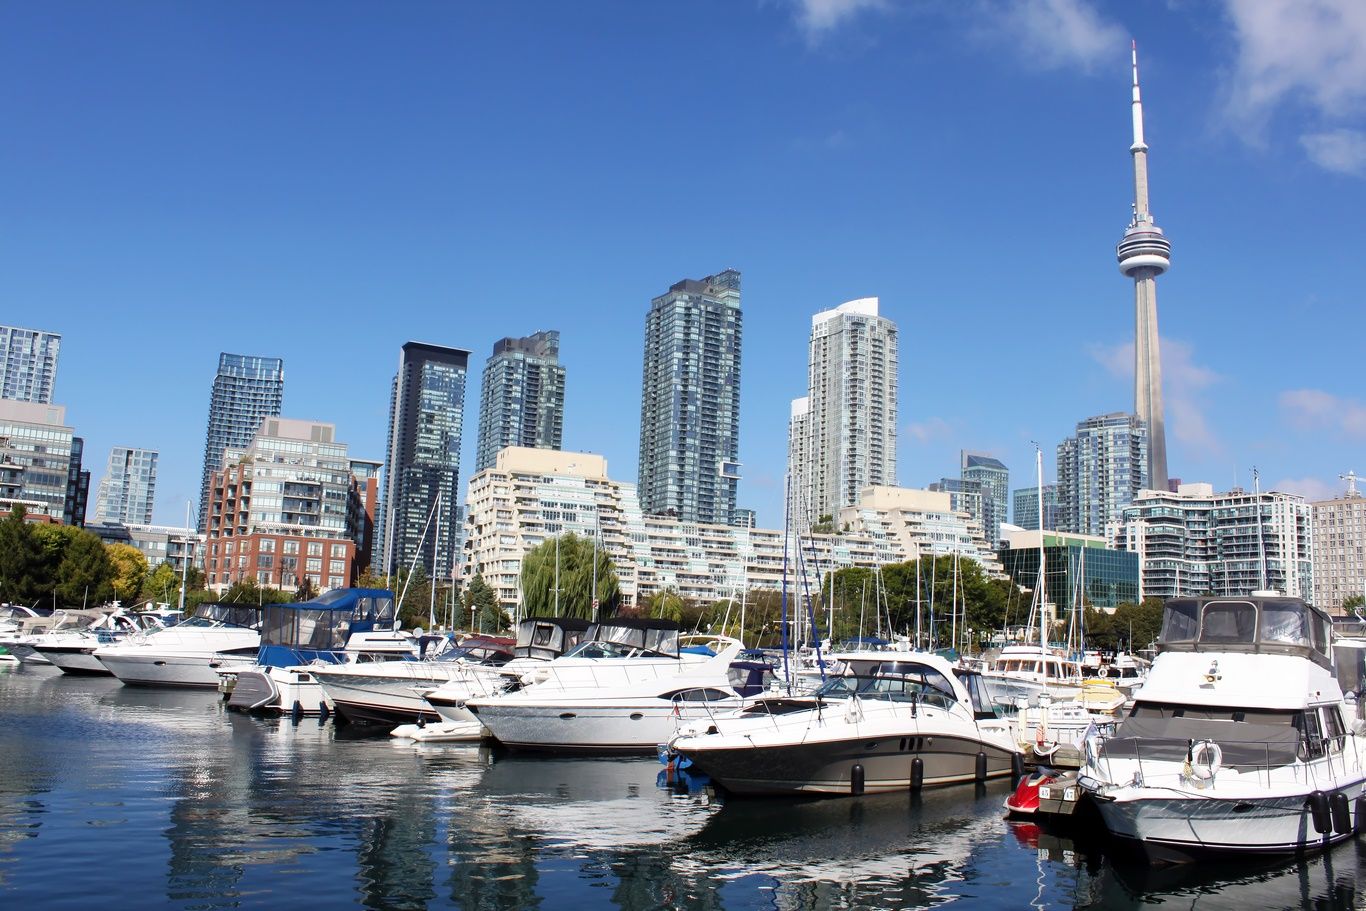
[213, 809]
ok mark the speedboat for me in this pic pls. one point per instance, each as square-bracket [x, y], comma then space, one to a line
[189, 653]
[1236, 743]
[890, 722]
[625, 689]
[73, 650]
[339, 626]
[390, 692]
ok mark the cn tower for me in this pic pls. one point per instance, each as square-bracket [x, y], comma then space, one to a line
[1144, 254]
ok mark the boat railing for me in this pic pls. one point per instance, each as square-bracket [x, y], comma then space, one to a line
[1322, 764]
[591, 675]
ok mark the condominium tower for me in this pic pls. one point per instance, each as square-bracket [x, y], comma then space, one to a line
[1025, 509]
[690, 401]
[246, 390]
[128, 487]
[28, 364]
[421, 487]
[1340, 547]
[847, 435]
[1100, 471]
[521, 399]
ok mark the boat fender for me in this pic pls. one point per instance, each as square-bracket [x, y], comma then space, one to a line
[1205, 759]
[856, 780]
[297, 711]
[1318, 812]
[1017, 769]
[1341, 811]
[1361, 814]
[918, 774]
[981, 765]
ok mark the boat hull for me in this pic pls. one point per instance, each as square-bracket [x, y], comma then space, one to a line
[828, 767]
[381, 700]
[74, 659]
[168, 670]
[579, 727]
[278, 690]
[1177, 830]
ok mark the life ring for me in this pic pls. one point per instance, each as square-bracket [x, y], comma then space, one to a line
[1205, 760]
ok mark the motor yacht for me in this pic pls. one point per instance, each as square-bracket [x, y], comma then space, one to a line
[340, 626]
[190, 653]
[1236, 743]
[73, 650]
[890, 722]
[624, 689]
[1027, 671]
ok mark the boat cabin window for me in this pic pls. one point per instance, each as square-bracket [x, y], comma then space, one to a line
[1180, 621]
[1228, 621]
[977, 692]
[1312, 733]
[1287, 623]
[1349, 666]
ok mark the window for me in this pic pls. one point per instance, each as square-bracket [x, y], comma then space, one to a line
[290, 547]
[264, 561]
[314, 565]
[266, 546]
[336, 582]
[315, 548]
[336, 566]
[338, 550]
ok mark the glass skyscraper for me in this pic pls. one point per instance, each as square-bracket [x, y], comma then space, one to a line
[246, 390]
[28, 364]
[993, 480]
[1100, 471]
[1105, 577]
[690, 401]
[128, 487]
[1025, 510]
[521, 399]
[426, 422]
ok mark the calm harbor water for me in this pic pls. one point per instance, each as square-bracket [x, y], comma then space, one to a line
[122, 797]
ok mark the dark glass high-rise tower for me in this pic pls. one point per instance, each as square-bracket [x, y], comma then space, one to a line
[521, 398]
[690, 401]
[421, 482]
[246, 390]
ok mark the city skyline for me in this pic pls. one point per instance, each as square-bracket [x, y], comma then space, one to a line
[871, 185]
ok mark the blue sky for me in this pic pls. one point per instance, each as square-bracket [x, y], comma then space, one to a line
[323, 182]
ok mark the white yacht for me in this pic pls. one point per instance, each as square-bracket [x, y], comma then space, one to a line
[624, 689]
[1236, 743]
[1028, 671]
[339, 626]
[189, 653]
[891, 722]
[73, 651]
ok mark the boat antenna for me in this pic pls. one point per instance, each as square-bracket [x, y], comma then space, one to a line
[1261, 543]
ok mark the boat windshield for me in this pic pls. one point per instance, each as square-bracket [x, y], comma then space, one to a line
[657, 641]
[1270, 625]
[1249, 737]
[894, 681]
[602, 648]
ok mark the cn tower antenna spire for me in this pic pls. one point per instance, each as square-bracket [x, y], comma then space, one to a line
[1145, 253]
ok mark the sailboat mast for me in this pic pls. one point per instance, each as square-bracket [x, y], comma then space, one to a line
[1043, 570]
[436, 576]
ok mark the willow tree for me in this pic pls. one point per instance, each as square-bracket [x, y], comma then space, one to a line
[558, 579]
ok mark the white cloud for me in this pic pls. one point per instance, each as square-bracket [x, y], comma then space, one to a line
[1309, 488]
[817, 17]
[1055, 34]
[1302, 53]
[928, 430]
[1183, 385]
[1314, 409]
[1343, 151]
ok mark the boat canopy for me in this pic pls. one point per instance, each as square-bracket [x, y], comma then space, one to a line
[548, 637]
[325, 623]
[656, 637]
[1280, 626]
[231, 614]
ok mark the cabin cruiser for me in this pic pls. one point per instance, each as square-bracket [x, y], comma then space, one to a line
[891, 722]
[1236, 743]
[341, 625]
[390, 692]
[539, 640]
[1027, 671]
[189, 653]
[25, 627]
[73, 650]
[624, 689]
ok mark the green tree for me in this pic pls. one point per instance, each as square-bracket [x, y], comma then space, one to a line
[130, 571]
[414, 593]
[85, 576]
[163, 585]
[568, 558]
[481, 602]
[1353, 603]
[247, 591]
[21, 577]
[306, 591]
[665, 604]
